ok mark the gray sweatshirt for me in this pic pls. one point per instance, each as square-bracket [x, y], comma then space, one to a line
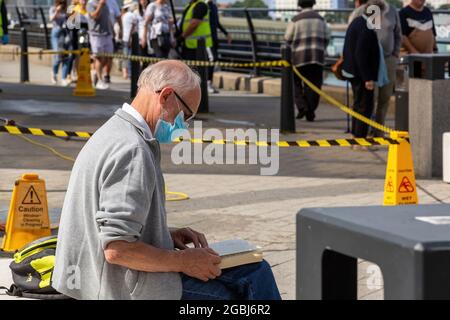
[390, 34]
[115, 192]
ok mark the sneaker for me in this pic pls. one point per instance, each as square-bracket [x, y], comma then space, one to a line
[65, 83]
[101, 85]
[107, 79]
[211, 89]
[54, 79]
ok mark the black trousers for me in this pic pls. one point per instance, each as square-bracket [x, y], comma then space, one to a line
[305, 98]
[188, 54]
[158, 51]
[363, 103]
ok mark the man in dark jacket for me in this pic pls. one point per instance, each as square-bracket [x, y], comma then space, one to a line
[361, 63]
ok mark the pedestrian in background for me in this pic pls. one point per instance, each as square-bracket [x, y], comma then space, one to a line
[116, 24]
[362, 54]
[158, 28]
[215, 24]
[4, 36]
[100, 37]
[419, 33]
[389, 36]
[129, 25]
[60, 39]
[308, 35]
[79, 20]
[144, 44]
[194, 25]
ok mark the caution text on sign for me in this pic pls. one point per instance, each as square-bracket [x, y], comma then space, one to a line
[31, 211]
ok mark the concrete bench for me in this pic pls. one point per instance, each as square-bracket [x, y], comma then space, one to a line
[410, 244]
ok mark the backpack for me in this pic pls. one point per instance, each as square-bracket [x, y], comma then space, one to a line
[32, 270]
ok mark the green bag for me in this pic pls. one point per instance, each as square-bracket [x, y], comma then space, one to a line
[32, 270]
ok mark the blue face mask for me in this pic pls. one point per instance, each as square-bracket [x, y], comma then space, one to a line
[164, 131]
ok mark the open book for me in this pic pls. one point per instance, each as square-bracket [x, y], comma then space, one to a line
[237, 252]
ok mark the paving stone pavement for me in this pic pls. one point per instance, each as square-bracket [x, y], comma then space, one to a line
[256, 208]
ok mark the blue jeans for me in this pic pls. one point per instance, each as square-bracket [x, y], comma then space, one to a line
[56, 38]
[127, 51]
[248, 282]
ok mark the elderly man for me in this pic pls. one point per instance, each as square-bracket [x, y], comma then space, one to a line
[114, 242]
[308, 35]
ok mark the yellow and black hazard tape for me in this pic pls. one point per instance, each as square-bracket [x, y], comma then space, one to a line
[196, 63]
[39, 52]
[18, 130]
[307, 143]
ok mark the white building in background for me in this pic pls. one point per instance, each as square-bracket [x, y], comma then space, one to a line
[320, 4]
[435, 3]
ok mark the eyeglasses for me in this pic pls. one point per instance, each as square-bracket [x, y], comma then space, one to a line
[187, 117]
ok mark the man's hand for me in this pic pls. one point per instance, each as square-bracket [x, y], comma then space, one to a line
[183, 236]
[200, 263]
[370, 85]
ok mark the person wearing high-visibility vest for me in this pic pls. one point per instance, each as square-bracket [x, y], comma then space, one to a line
[4, 23]
[194, 25]
[4, 37]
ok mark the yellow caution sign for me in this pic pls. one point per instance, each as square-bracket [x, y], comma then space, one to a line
[84, 83]
[400, 184]
[28, 218]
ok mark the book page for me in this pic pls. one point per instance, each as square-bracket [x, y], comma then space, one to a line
[232, 246]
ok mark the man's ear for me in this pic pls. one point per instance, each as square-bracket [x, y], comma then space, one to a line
[164, 95]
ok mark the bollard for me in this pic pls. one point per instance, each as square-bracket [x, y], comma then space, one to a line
[287, 115]
[24, 70]
[202, 55]
[135, 65]
[429, 114]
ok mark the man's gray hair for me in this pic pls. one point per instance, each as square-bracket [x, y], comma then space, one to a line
[169, 73]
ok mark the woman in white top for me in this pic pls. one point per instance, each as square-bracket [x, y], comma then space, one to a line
[158, 28]
[140, 17]
[129, 25]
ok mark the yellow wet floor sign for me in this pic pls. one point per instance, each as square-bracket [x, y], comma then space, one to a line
[84, 83]
[28, 218]
[400, 184]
